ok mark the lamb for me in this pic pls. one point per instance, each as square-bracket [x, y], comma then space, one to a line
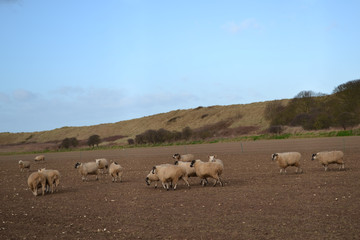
[52, 178]
[23, 165]
[102, 164]
[169, 174]
[330, 157]
[39, 158]
[88, 168]
[287, 159]
[115, 171]
[184, 158]
[36, 180]
[208, 169]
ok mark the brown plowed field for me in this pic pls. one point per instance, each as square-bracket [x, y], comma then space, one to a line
[255, 203]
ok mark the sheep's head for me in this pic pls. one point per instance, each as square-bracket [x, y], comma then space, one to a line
[212, 158]
[77, 164]
[20, 162]
[274, 156]
[41, 169]
[153, 170]
[151, 177]
[313, 157]
[147, 181]
[176, 156]
[176, 163]
[192, 163]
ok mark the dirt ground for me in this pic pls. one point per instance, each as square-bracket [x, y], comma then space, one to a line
[256, 201]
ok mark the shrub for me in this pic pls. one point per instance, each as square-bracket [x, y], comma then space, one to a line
[94, 140]
[69, 142]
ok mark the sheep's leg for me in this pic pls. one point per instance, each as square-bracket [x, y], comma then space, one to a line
[43, 185]
[215, 182]
[175, 181]
[165, 186]
[185, 178]
[33, 188]
[221, 182]
[203, 182]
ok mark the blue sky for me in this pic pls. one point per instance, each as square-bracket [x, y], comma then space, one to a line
[79, 63]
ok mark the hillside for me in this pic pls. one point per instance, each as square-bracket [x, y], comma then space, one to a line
[240, 115]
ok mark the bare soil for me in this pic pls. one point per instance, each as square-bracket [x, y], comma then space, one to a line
[256, 201]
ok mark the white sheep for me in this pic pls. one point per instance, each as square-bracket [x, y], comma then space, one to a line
[52, 178]
[190, 172]
[115, 171]
[212, 158]
[330, 157]
[23, 165]
[102, 164]
[152, 177]
[88, 168]
[170, 174]
[287, 159]
[208, 169]
[35, 181]
[184, 158]
[39, 158]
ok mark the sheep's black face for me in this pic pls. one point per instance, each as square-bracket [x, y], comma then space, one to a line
[273, 157]
[77, 165]
[147, 181]
[313, 156]
[176, 156]
[192, 163]
[176, 163]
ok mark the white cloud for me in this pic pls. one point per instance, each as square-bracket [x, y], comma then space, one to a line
[23, 95]
[246, 24]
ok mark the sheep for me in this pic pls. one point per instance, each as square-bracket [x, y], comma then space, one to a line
[102, 164]
[52, 178]
[36, 180]
[214, 159]
[184, 158]
[287, 159]
[208, 169]
[169, 173]
[23, 165]
[330, 157]
[39, 158]
[88, 168]
[190, 172]
[152, 177]
[115, 171]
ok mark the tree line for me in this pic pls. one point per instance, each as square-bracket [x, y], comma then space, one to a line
[314, 111]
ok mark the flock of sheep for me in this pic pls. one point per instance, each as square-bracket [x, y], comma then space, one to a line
[185, 166]
[48, 180]
[287, 159]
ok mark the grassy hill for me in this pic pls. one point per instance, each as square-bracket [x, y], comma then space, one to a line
[240, 115]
